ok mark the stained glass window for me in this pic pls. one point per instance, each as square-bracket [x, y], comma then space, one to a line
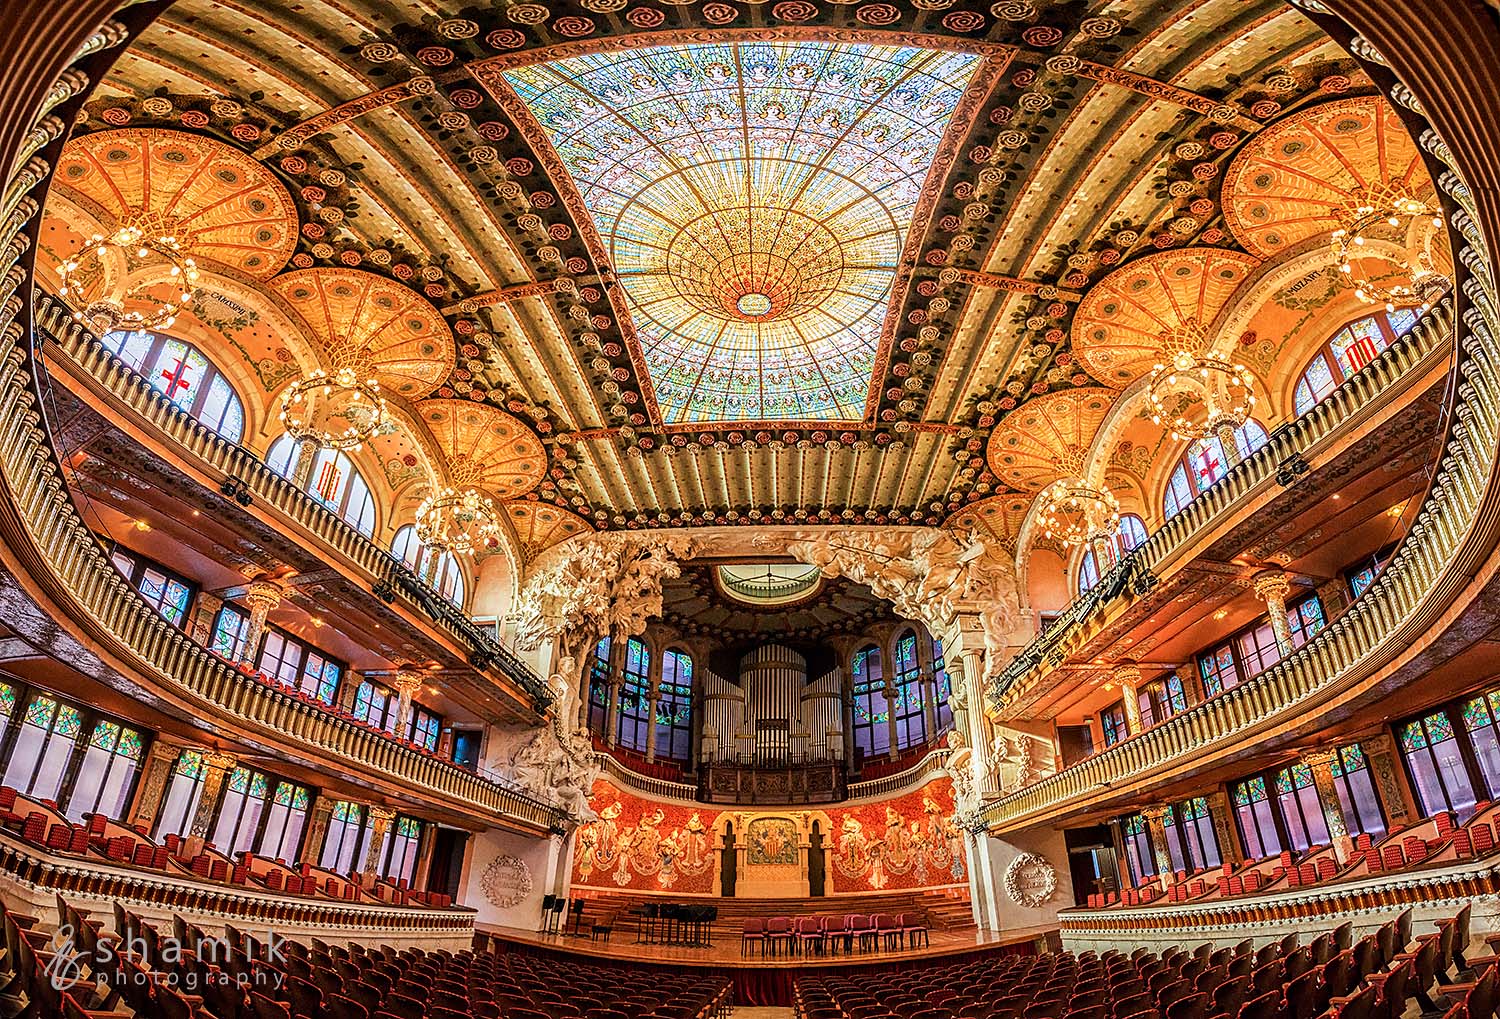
[1301, 809]
[911, 708]
[399, 855]
[1204, 465]
[944, 688]
[754, 200]
[43, 747]
[599, 686]
[1256, 818]
[299, 665]
[872, 733]
[347, 839]
[184, 375]
[635, 697]
[1356, 791]
[168, 593]
[107, 772]
[1437, 766]
[334, 481]
[445, 575]
[674, 706]
[1216, 669]
[284, 821]
[1349, 350]
[1304, 620]
[1112, 719]
[1139, 856]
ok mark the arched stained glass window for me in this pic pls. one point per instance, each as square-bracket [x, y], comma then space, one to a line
[1130, 534]
[334, 481]
[599, 688]
[1204, 464]
[447, 578]
[944, 688]
[674, 706]
[872, 732]
[1346, 352]
[911, 707]
[635, 697]
[183, 374]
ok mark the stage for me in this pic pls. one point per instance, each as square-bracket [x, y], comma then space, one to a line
[762, 980]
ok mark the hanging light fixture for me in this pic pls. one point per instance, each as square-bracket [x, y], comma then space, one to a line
[141, 242]
[341, 411]
[1075, 512]
[1197, 395]
[457, 521]
[1386, 205]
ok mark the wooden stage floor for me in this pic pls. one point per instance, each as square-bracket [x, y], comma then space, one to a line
[724, 953]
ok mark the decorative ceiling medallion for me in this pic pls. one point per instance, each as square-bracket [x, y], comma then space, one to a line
[1155, 307]
[999, 517]
[538, 526]
[753, 201]
[220, 204]
[1293, 179]
[485, 447]
[1048, 438]
[373, 325]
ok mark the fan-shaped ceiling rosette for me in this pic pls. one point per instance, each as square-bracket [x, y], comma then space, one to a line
[539, 526]
[372, 324]
[223, 206]
[1155, 305]
[998, 518]
[1286, 185]
[1048, 438]
[486, 448]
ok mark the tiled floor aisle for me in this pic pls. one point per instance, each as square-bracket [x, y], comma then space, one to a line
[762, 1012]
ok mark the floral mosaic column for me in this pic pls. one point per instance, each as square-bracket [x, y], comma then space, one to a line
[160, 761]
[262, 596]
[1128, 675]
[380, 823]
[1155, 816]
[1320, 762]
[216, 765]
[1272, 587]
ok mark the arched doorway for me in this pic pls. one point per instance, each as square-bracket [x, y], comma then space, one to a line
[816, 861]
[728, 862]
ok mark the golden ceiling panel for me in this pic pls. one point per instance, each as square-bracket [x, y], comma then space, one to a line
[999, 517]
[372, 324]
[223, 206]
[539, 526]
[1155, 304]
[1288, 183]
[485, 446]
[1048, 438]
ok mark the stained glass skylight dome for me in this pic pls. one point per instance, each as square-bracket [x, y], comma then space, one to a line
[754, 199]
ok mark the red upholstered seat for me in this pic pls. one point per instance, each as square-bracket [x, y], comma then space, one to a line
[1392, 857]
[1463, 844]
[79, 842]
[1483, 837]
[1363, 842]
[1252, 881]
[1416, 849]
[7, 797]
[1308, 873]
[59, 836]
[1445, 822]
[1327, 869]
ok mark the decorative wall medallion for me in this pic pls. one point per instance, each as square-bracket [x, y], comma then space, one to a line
[1030, 880]
[506, 881]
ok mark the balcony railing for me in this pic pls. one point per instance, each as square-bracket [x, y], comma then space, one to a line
[386, 574]
[1388, 618]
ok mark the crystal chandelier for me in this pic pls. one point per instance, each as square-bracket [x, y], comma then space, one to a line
[1386, 205]
[1197, 395]
[141, 242]
[456, 521]
[1075, 513]
[340, 411]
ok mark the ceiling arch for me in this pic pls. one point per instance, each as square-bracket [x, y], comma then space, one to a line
[1048, 438]
[539, 526]
[484, 446]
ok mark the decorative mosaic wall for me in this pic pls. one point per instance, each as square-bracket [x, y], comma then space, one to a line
[637, 844]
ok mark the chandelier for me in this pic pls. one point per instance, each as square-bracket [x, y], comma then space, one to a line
[1075, 513]
[340, 411]
[1386, 205]
[140, 242]
[1198, 395]
[456, 521]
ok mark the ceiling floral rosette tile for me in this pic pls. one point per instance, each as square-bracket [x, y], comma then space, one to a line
[485, 447]
[374, 325]
[223, 207]
[1048, 438]
[1288, 184]
[999, 518]
[539, 526]
[1153, 306]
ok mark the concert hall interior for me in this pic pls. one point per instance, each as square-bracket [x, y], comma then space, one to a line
[750, 509]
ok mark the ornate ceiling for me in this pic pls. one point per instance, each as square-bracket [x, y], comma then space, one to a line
[693, 263]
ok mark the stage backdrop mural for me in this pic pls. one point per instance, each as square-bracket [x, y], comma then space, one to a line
[637, 844]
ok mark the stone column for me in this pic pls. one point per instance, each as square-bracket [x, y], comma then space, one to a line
[216, 765]
[979, 721]
[317, 830]
[204, 614]
[1390, 779]
[300, 472]
[1218, 810]
[653, 688]
[1225, 431]
[406, 683]
[1156, 828]
[1320, 761]
[155, 775]
[929, 682]
[262, 596]
[380, 823]
[616, 687]
[1272, 586]
[1128, 676]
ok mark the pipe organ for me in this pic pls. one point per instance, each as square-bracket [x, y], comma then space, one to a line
[772, 714]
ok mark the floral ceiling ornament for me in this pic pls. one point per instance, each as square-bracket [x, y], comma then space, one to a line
[114, 274]
[506, 881]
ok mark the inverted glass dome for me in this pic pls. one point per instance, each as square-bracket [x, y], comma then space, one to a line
[769, 583]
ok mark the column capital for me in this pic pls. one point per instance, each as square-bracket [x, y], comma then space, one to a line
[1155, 812]
[264, 591]
[218, 760]
[1319, 757]
[378, 813]
[406, 682]
[1127, 674]
[1271, 583]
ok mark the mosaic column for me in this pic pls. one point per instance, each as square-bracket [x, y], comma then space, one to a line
[1272, 586]
[205, 613]
[380, 823]
[1218, 810]
[1155, 816]
[216, 765]
[317, 829]
[303, 456]
[1320, 761]
[160, 761]
[616, 688]
[262, 596]
[1225, 432]
[406, 683]
[1390, 779]
[1128, 676]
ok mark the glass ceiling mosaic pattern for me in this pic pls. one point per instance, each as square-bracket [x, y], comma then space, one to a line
[754, 199]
